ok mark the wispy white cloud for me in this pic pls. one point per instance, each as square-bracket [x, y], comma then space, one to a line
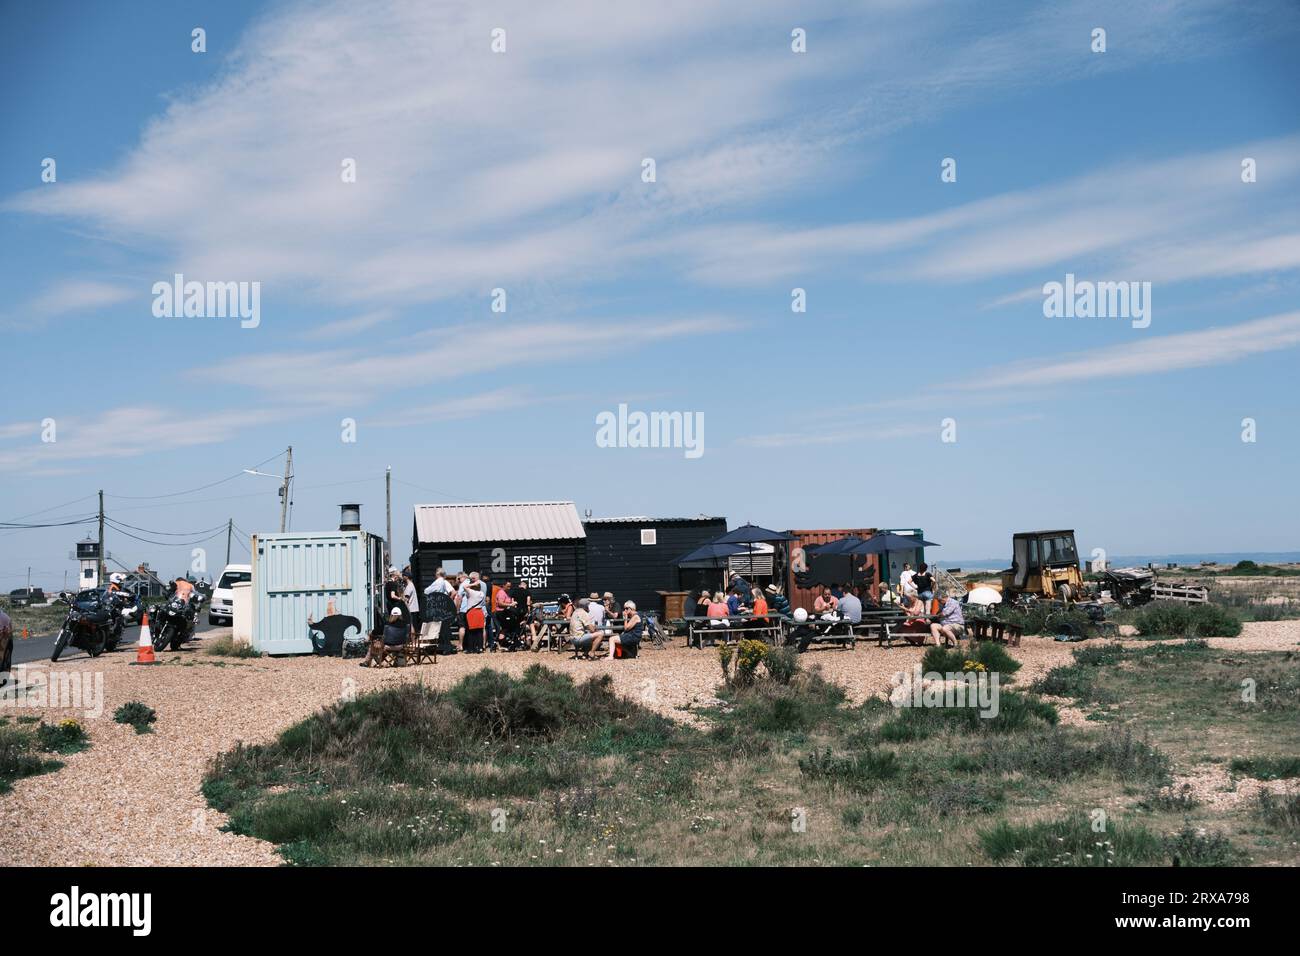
[338, 376]
[1150, 355]
[69, 296]
[1176, 219]
[478, 169]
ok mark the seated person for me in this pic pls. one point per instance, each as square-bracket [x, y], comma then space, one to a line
[596, 608]
[824, 604]
[582, 632]
[914, 607]
[951, 625]
[633, 628]
[850, 607]
[865, 597]
[777, 601]
[736, 605]
[718, 611]
[759, 608]
[394, 634]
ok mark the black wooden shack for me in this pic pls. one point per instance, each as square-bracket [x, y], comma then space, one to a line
[635, 557]
[540, 542]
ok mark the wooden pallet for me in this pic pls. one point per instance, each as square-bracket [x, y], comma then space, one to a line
[1180, 592]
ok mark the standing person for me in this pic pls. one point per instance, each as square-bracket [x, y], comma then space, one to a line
[411, 598]
[923, 581]
[489, 597]
[905, 581]
[475, 606]
[524, 599]
[439, 608]
[462, 605]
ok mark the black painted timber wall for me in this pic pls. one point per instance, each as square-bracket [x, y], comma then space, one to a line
[617, 561]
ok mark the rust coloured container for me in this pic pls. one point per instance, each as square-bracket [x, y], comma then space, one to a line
[841, 569]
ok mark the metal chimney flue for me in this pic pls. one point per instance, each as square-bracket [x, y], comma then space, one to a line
[349, 517]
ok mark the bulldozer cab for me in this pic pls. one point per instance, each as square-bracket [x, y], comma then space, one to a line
[1041, 560]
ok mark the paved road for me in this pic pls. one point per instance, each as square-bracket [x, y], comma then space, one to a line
[40, 648]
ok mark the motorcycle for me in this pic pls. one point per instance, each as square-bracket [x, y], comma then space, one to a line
[174, 621]
[129, 606]
[92, 624]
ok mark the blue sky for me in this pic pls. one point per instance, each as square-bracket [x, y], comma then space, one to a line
[774, 170]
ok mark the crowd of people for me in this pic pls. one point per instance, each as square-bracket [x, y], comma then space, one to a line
[470, 613]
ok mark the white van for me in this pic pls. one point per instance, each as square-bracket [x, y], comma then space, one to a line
[220, 611]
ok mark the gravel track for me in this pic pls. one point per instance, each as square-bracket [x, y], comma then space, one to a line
[134, 800]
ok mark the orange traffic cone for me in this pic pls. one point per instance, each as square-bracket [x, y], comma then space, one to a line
[144, 650]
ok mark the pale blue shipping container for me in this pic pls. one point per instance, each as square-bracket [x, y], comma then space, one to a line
[296, 576]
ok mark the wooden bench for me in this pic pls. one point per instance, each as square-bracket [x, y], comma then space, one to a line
[700, 629]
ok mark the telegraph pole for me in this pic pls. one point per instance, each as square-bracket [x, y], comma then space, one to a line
[100, 570]
[230, 527]
[284, 489]
[388, 486]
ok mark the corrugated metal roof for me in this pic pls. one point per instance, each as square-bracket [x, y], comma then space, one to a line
[497, 521]
[643, 519]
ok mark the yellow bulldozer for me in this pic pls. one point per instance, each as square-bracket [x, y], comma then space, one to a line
[1045, 564]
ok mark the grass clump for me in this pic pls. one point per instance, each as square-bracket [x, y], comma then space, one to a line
[1072, 841]
[68, 736]
[1266, 768]
[1016, 712]
[23, 748]
[1192, 846]
[227, 646]
[401, 773]
[861, 771]
[1280, 811]
[138, 714]
[990, 657]
[1058, 755]
[1175, 619]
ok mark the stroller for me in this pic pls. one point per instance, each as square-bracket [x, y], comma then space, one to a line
[510, 625]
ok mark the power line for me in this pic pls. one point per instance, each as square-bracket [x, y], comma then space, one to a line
[52, 508]
[165, 544]
[177, 494]
[173, 534]
[56, 524]
[433, 491]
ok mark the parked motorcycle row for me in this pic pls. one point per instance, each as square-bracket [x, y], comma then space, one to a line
[96, 619]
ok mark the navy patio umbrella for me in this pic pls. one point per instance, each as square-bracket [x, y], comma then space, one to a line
[749, 534]
[882, 544]
[709, 555]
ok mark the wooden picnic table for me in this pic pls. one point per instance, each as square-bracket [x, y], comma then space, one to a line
[737, 626]
[555, 631]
